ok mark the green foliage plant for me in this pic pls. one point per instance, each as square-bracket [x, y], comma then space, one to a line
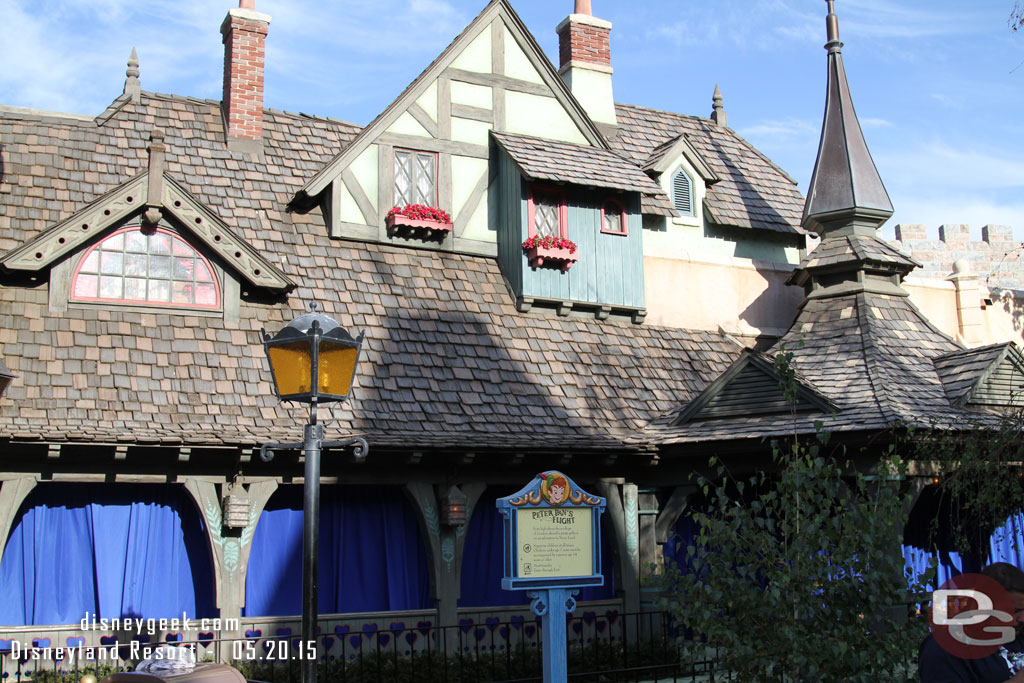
[797, 574]
[979, 467]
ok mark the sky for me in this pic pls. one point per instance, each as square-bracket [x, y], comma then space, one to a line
[938, 85]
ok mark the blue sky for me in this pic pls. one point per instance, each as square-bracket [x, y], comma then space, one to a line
[939, 86]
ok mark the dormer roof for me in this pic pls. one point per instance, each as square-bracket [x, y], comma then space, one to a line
[562, 162]
[130, 199]
[664, 157]
[989, 377]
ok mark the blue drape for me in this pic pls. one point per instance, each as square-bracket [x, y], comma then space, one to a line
[483, 560]
[108, 550]
[1006, 544]
[679, 540]
[923, 541]
[371, 556]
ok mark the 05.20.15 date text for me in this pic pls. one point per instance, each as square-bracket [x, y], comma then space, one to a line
[274, 650]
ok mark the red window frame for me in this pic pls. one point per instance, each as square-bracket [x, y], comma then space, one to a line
[621, 210]
[146, 302]
[534, 189]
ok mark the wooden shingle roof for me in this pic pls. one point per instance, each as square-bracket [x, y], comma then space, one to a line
[448, 361]
[752, 192]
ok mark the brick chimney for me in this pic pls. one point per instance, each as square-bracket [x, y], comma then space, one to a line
[585, 58]
[245, 34]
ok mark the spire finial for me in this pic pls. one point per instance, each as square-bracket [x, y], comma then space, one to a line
[718, 115]
[583, 7]
[832, 28]
[132, 86]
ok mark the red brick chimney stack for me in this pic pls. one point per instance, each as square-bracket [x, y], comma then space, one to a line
[582, 38]
[245, 33]
[585, 62]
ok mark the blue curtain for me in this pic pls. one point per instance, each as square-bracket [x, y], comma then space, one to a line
[923, 542]
[106, 549]
[371, 556]
[483, 560]
[679, 540]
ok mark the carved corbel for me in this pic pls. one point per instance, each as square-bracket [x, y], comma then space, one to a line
[154, 203]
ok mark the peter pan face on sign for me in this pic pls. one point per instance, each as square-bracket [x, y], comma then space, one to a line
[554, 489]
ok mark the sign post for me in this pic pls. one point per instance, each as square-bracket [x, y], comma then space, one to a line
[552, 535]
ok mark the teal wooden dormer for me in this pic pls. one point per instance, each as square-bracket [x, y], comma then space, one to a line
[550, 192]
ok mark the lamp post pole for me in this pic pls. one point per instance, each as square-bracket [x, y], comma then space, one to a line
[313, 435]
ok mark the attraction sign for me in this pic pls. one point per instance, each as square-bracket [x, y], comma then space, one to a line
[552, 549]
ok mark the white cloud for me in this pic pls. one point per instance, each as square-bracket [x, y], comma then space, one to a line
[782, 131]
[871, 122]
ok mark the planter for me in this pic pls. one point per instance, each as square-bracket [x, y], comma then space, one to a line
[422, 227]
[551, 257]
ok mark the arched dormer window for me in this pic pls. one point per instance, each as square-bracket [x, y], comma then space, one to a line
[153, 268]
[682, 193]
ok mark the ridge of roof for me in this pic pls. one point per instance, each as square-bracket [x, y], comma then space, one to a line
[8, 111]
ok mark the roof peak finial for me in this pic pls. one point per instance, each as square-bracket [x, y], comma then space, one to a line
[832, 28]
[132, 85]
[583, 7]
[718, 113]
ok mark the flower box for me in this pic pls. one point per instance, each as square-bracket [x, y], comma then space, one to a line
[417, 220]
[553, 257]
[398, 222]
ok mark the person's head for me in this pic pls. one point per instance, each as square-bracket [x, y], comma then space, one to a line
[1012, 579]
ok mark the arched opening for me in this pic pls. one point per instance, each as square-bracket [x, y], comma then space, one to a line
[372, 557]
[108, 550]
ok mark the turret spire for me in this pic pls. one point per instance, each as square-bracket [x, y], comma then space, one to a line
[845, 190]
[718, 113]
[132, 85]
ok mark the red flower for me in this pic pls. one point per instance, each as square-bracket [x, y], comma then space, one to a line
[420, 212]
[550, 242]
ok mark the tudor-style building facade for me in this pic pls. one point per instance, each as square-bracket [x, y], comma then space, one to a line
[144, 248]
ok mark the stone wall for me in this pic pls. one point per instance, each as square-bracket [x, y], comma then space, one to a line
[997, 258]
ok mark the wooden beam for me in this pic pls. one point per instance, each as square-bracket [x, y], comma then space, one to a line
[362, 201]
[464, 149]
[464, 111]
[469, 208]
[423, 118]
[496, 80]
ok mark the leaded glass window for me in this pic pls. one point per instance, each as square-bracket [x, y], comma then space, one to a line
[613, 217]
[546, 216]
[548, 212]
[155, 268]
[415, 178]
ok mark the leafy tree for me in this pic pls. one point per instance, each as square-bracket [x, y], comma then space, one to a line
[797, 575]
[980, 471]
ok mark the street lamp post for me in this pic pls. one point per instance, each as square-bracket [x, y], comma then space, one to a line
[312, 360]
[6, 376]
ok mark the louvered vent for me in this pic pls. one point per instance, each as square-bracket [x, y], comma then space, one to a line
[1004, 387]
[752, 392]
[682, 194]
